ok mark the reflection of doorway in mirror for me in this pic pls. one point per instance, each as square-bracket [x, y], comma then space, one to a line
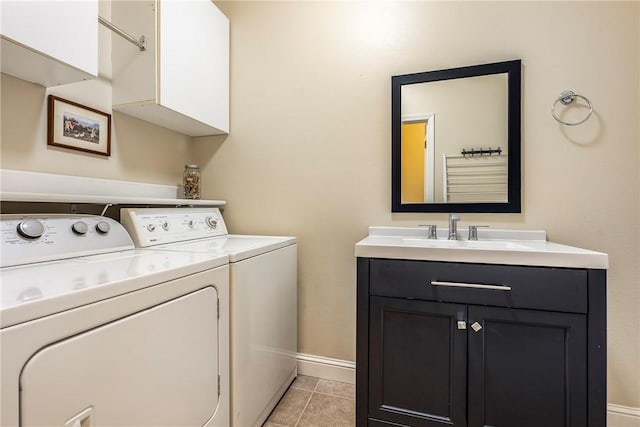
[417, 158]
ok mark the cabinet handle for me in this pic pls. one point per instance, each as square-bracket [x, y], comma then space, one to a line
[471, 285]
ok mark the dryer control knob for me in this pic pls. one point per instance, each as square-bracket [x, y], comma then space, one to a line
[30, 228]
[165, 226]
[80, 227]
[211, 222]
[103, 227]
[151, 227]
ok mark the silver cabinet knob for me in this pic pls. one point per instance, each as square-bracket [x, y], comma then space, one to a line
[103, 227]
[30, 228]
[80, 227]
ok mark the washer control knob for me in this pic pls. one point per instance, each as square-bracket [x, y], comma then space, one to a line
[165, 226]
[211, 222]
[30, 228]
[190, 223]
[80, 227]
[151, 227]
[103, 227]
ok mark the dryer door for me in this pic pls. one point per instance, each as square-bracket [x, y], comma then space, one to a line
[156, 367]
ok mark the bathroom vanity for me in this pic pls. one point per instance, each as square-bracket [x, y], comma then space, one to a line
[509, 330]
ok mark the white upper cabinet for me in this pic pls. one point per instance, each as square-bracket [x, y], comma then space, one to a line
[49, 42]
[181, 81]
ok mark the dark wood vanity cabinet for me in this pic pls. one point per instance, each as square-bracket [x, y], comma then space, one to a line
[527, 351]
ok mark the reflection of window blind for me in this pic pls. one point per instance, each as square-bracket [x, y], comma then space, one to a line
[474, 179]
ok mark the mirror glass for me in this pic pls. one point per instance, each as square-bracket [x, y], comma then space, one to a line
[456, 140]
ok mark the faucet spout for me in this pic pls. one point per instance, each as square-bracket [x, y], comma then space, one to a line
[453, 226]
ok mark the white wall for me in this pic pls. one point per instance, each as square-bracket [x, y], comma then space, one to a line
[309, 149]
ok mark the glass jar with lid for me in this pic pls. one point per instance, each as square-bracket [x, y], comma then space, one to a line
[191, 181]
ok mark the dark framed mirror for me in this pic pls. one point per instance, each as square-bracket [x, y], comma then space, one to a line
[455, 144]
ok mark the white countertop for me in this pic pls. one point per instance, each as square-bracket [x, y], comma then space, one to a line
[512, 247]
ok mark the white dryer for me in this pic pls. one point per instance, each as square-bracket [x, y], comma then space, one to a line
[263, 285]
[96, 333]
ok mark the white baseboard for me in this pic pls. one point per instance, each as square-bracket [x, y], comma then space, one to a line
[622, 416]
[345, 371]
[326, 368]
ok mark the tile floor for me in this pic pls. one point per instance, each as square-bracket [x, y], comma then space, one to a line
[313, 402]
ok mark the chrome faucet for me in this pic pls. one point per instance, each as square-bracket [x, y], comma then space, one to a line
[432, 232]
[473, 231]
[453, 226]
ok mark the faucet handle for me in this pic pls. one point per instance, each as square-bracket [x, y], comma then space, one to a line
[473, 231]
[431, 230]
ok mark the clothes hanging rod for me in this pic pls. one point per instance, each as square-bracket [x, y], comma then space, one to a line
[141, 43]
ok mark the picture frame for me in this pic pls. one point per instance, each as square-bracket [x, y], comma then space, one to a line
[78, 127]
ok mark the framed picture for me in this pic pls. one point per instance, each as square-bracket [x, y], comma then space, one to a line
[75, 126]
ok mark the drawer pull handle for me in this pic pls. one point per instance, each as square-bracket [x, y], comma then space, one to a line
[471, 285]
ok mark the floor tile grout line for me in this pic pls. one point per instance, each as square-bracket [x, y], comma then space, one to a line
[303, 409]
[335, 395]
[313, 391]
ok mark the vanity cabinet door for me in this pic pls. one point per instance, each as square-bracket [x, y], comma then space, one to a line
[417, 363]
[526, 368]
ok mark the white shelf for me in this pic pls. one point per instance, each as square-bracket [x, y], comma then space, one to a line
[23, 186]
[7, 196]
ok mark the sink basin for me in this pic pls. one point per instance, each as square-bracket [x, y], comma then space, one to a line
[467, 244]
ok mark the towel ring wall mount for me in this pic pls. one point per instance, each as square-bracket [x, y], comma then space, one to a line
[567, 97]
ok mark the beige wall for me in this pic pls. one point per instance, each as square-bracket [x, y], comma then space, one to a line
[309, 149]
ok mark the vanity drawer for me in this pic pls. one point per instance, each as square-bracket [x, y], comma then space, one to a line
[544, 288]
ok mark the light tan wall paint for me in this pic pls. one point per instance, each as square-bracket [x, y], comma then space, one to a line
[309, 149]
[139, 151]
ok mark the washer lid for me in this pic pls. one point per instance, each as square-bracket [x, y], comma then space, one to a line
[236, 246]
[36, 290]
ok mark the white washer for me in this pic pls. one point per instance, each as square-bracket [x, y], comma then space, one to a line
[263, 284]
[94, 332]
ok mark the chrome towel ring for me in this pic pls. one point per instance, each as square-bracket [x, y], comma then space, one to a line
[566, 98]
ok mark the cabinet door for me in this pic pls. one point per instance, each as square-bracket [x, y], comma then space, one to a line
[194, 62]
[49, 42]
[526, 368]
[417, 362]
